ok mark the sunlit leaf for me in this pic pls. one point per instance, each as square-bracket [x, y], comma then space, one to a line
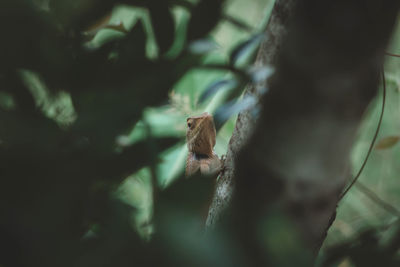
[172, 165]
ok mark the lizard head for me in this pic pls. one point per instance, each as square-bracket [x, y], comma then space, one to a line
[201, 134]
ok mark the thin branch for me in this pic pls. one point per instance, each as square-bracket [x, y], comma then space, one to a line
[373, 139]
[239, 24]
[392, 55]
[375, 198]
[368, 192]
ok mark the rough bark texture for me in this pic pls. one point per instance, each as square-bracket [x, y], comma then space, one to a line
[327, 72]
[246, 120]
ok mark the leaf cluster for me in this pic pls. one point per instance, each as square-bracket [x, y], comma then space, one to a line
[64, 102]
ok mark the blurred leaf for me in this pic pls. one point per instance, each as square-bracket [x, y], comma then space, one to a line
[99, 24]
[238, 23]
[387, 142]
[202, 46]
[245, 48]
[133, 46]
[133, 158]
[6, 101]
[119, 108]
[16, 86]
[119, 27]
[181, 17]
[163, 25]
[215, 87]
[260, 74]
[55, 105]
[205, 17]
[59, 179]
[136, 191]
[232, 108]
[172, 166]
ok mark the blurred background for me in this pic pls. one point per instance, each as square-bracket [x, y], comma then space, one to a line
[94, 97]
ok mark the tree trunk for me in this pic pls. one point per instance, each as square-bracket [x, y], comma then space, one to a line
[246, 120]
[327, 71]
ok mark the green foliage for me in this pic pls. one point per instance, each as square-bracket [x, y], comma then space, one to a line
[93, 100]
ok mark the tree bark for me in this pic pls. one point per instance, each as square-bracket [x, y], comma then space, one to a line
[327, 70]
[276, 30]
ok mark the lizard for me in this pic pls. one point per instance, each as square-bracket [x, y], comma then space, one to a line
[201, 138]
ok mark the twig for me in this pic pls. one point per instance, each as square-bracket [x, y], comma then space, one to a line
[375, 198]
[239, 24]
[373, 139]
[392, 55]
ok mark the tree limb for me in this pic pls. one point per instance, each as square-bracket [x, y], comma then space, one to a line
[246, 120]
[326, 75]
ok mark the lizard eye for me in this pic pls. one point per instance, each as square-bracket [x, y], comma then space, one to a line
[189, 124]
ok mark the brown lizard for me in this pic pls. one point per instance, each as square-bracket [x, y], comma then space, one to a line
[200, 137]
